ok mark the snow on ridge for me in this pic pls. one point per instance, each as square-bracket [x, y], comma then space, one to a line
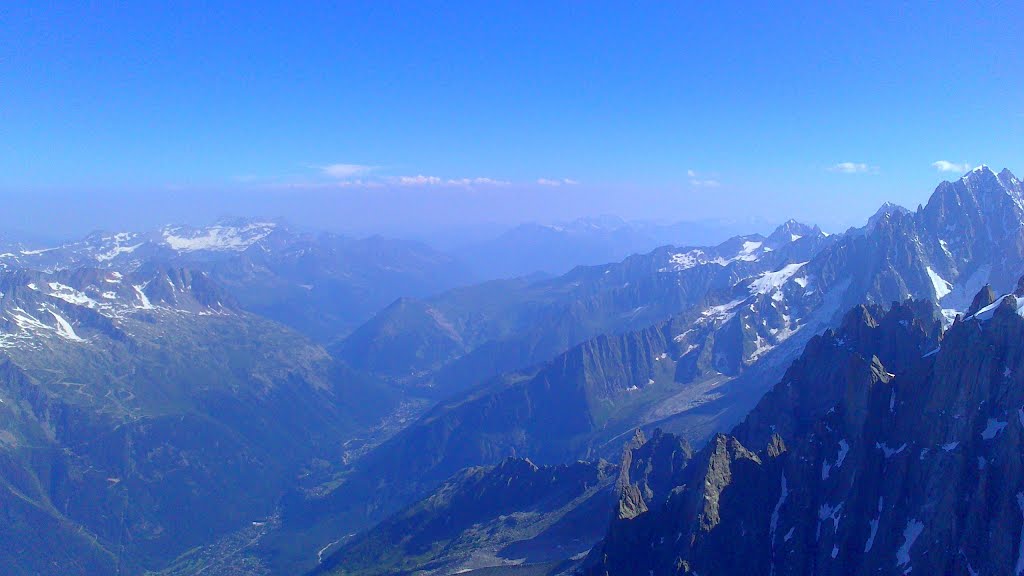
[218, 237]
[747, 252]
[36, 252]
[26, 321]
[685, 260]
[723, 312]
[70, 295]
[769, 281]
[987, 312]
[116, 251]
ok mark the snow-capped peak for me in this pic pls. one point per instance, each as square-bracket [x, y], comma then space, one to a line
[791, 231]
[884, 212]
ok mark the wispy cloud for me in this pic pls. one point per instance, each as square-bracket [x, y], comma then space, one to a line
[326, 185]
[345, 171]
[851, 168]
[947, 166]
[477, 181]
[698, 181]
[342, 175]
[421, 180]
[418, 180]
[556, 182]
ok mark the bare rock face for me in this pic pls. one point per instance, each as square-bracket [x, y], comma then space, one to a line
[641, 481]
[885, 449]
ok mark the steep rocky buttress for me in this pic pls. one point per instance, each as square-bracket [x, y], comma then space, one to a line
[886, 448]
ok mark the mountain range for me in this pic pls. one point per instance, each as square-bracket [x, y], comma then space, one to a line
[246, 399]
[556, 248]
[322, 284]
[703, 369]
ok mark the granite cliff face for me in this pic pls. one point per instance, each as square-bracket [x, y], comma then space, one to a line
[884, 449]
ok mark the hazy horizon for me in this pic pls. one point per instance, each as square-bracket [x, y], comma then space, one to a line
[411, 119]
[54, 216]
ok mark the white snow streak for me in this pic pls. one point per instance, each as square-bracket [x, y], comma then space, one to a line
[910, 534]
[941, 286]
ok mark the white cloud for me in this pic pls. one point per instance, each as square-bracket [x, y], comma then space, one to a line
[946, 166]
[706, 183]
[344, 170]
[851, 168]
[557, 182]
[477, 181]
[701, 182]
[421, 180]
[418, 180]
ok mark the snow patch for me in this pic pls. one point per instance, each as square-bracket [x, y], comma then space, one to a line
[723, 312]
[686, 260]
[770, 281]
[844, 449]
[64, 328]
[826, 468]
[910, 534]
[70, 295]
[145, 303]
[992, 428]
[116, 251]
[874, 527]
[833, 513]
[219, 237]
[890, 452]
[941, 287]
[1020, 547]
[773, 524]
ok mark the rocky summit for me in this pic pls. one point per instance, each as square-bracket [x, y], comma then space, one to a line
[886, 448]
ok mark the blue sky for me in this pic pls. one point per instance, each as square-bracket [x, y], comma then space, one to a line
[394, 116]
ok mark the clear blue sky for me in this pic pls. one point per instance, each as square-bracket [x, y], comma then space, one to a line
[388, 116]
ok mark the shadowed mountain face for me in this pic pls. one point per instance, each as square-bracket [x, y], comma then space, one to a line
[513, 511]
[881, 450]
